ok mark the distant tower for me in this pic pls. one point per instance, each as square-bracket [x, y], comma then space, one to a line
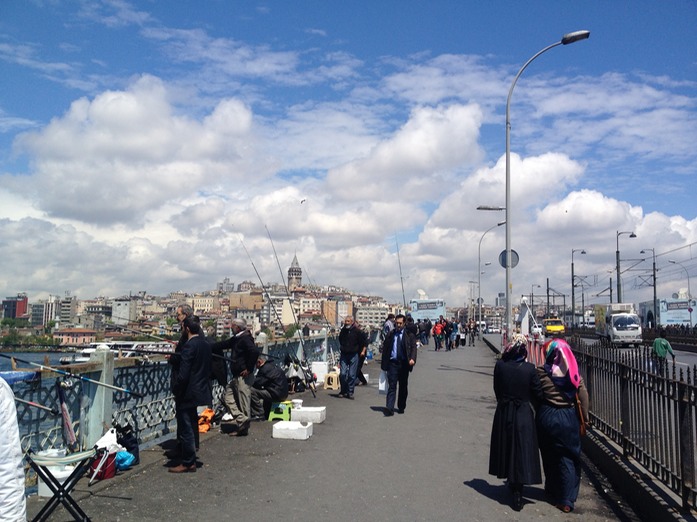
[295, 274]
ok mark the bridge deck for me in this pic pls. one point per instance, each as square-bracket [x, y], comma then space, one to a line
[428, 464]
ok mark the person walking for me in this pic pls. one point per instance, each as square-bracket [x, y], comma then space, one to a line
[513, 452]
[352, 340]
[558, 426]
[191, 388]
[398, 360]
[659, 351]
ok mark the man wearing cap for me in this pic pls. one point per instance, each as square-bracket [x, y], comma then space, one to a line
[270, 385]
[243, 359]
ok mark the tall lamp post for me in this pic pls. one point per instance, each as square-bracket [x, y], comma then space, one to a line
[565, 40]
[532, 300]
[617, 257]
[479, 273]
[689, 292]
[655, 299]
[573, 286]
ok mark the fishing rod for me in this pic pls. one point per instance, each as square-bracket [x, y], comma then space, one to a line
[53, 411]
[285, 285]
[263, 286]
[401, 278]
[309, 379]
[74, 375]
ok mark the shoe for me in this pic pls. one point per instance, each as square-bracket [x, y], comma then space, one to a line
[342, 395]
[349, 397]
[400, 410]
[564, 508]
[183, 469]
[517, 501]
[388, 413]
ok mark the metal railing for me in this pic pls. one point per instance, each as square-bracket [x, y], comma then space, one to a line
[648, 410]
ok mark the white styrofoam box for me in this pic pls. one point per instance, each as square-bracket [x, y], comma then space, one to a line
[312, 414]
[320, 369]
[292, 430]
[61, 475]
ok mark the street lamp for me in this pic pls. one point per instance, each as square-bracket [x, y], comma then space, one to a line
[532, 300]
[573, 286]
[617, 256]
[655, 299]
[479, 271]
[565, 40]
[689, 293]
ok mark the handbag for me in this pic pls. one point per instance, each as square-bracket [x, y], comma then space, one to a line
[382, 383]
[581, 420]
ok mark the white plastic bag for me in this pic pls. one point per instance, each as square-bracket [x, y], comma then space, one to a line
[382, 383]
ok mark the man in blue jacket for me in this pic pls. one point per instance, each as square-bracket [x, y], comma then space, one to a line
[191, 388]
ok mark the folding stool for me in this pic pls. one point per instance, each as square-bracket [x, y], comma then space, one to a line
[61, 492]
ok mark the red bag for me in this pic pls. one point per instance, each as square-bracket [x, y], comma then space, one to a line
[103, 467]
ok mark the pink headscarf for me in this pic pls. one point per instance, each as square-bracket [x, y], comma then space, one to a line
[561, 365]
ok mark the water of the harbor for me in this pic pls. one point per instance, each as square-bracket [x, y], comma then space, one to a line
[34, 357]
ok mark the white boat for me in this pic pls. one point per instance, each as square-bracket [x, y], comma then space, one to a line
[123, 349]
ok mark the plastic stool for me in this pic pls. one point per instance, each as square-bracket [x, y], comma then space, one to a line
[280, 410]
[331, 381]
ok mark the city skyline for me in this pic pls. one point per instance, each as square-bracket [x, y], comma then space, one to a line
[162, 145]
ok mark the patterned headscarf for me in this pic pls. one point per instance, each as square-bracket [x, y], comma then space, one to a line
[561, 366]
[517, 349]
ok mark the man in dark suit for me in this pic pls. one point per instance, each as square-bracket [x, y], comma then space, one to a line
[398, 360]
[191, 388]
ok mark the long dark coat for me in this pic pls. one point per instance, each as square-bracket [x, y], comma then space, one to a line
[514, 452]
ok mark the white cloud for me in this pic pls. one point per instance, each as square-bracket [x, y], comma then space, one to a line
[433, 140]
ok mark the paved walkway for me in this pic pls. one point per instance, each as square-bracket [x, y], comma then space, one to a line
[429, 464]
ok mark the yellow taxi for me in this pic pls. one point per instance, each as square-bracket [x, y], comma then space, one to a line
[553, 327]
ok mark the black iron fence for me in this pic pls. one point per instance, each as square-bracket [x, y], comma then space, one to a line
[647, 408]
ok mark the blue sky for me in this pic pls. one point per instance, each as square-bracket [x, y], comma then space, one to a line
[139, 141]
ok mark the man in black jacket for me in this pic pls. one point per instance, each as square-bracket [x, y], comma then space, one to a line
[398, 360]
[270, 385]
[191, 388]
[243, 359]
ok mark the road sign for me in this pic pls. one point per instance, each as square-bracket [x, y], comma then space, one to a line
[514, 258]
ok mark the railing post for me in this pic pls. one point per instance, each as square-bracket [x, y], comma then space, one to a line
[624, 407]
[325, 344]
[97, 406]
[687, 442]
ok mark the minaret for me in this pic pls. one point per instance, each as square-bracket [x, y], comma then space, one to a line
[295, 274]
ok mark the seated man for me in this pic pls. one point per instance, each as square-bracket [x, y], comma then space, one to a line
[270, 385]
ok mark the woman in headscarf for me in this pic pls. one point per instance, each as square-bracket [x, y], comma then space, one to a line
[558, 424]
[513, 453]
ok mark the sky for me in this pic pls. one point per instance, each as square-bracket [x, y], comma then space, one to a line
[164, 145]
